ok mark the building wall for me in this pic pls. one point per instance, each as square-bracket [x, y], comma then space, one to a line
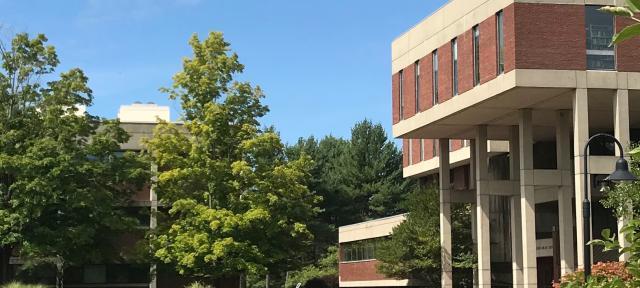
[360, 271]
[537, 46]
[627, 53]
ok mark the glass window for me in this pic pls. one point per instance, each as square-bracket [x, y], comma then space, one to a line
[416, 74]
[435, 77]
[500, 39]
[476, 55]
[401, 94]
[599, 28]
[454, 61]
[359, 250]
[421, 149]
[435, 147]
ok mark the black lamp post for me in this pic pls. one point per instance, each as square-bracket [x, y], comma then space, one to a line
[621, 174]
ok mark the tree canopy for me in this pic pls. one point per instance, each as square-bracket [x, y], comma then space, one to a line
[62, 177]
[237, 204]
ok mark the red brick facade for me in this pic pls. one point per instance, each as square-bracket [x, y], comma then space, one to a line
[509, 27]
[465, 62]
[360, 271]
[426, 83]
[405, 152]
[561, 48]
[488, 52]
[445, 91]
[416, 151]
[409, 91]
[627, 53]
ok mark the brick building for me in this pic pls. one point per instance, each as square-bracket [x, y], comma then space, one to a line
[495, 100]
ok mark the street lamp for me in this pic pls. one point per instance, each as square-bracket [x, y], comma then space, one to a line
[621, 174]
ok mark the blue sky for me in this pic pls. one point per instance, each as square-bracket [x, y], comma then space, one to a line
[323, 64]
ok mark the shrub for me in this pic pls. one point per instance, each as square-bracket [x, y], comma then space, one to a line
[609, 274]
[197, 285]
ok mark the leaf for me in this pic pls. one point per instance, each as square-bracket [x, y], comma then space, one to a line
[635, 151]
[634, 5]
[606, 233]
[626, 33]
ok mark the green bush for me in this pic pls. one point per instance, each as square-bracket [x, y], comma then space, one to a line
[20, 285]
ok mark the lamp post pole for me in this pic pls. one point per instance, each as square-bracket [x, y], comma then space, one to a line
[620, 174]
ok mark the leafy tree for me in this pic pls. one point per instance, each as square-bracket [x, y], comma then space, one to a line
[413, 249]
[237, 205]
[326, 268]
[61, 176]
[627, 11]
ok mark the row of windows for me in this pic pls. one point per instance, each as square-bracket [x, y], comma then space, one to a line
[454, 68]
[435, 149]
[359, 250]
[600, 54]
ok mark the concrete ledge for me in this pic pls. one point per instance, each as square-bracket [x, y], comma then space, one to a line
[381, 283]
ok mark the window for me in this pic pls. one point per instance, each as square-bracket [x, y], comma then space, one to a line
[435, 147]
[401, 97]
[421, 149]
[359, 250]
[450, 145]
[466, 143]
[599, 28]
[95, 274]
[410, 152]
[416, 75]
[500, 39]
[454, 61]
[435, 77]
[476, 55]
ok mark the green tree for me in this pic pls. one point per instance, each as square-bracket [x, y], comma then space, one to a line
[61, 176]
[627, 11]
[413, 249]
[237, 205]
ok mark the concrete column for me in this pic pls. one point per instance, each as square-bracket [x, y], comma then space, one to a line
[565, 192]
[474, 206]
[445, 215]
[527, 200]
[482, 208]
[580, 138]
[516, 220]
[621, 127]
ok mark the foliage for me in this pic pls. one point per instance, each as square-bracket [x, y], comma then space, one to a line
[61, 176]
[624, 198]
[413, 249]
[327, 267]
[609, 274]
[627, 11]
[20, 285]
[237, 204]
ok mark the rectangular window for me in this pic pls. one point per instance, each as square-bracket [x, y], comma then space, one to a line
[421, 149]
[362, 250]
[435, 147]
[435, 77]
[401, 93]
[410, 152]
[454, 61]
[450, 145]
[600, 30]
[416, 75]
[500, 39]
[476, 55]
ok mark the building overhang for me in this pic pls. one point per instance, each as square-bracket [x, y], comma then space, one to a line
[497, 102]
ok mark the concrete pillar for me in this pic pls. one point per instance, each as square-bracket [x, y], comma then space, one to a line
[516, 220]
[445, 215]
[474, 207]
[527, 200]
[565, 192]
[580, 138]
[621, 127]
[482, 208]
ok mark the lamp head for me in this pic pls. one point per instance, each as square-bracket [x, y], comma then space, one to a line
[622, 173]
